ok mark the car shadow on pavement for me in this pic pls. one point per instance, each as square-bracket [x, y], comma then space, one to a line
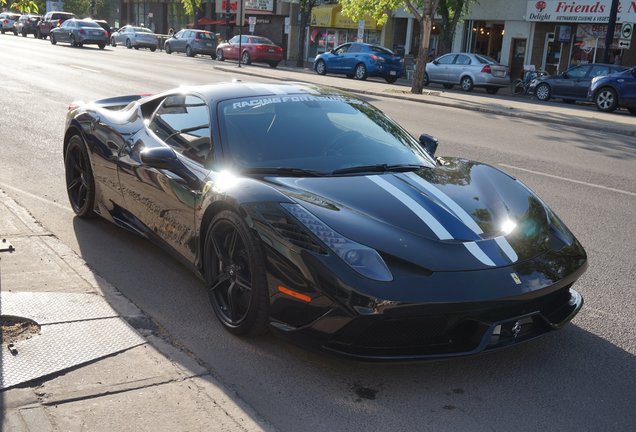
[568, 380]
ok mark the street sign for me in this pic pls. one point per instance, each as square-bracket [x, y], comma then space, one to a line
[626, 30]
[624, 43]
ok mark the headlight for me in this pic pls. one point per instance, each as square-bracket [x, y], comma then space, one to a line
[361, 258]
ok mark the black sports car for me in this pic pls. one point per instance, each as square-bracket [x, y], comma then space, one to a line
[308, 211]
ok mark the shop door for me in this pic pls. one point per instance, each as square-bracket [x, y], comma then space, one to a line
[551, 54]
[518, 58]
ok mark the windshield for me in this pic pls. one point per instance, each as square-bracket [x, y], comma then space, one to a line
[89, 24]
[322, 133]
[262, 40]
[142, 30]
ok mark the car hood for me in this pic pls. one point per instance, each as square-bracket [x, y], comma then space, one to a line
[460, 216]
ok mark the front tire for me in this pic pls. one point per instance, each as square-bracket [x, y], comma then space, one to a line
[360, 72]
[168, 49]
[112, 42]
[426, 80]
[391, 79]
[492, 90]
[53, 41]
[219, 55]
[466, 84]
[321, 67]
[128, 44]
[543, 92]
[235, 276]
[101, 45]
[606, 99]
[80, 183]
[153, 49]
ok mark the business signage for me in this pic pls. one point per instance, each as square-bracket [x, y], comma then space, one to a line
[260, 5]
[579, 11]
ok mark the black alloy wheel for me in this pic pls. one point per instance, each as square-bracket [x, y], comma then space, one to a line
[80, 184]
[235, 275]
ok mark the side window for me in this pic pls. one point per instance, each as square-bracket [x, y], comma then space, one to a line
[577, 72]
[447, 59]
[462, 60]
[234, 40]
[599, 71]
[179, 35]
[342, 49]
[183, 122]
[354, 48]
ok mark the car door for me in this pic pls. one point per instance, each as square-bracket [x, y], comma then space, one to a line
[177, 43]
[337, 58]
[581, 87]
[460, 66]
[64, 32]
[162, 202]
[566, 84]
[233, 48]
[437, 70]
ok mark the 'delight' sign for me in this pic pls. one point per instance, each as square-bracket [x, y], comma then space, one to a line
[579, 11]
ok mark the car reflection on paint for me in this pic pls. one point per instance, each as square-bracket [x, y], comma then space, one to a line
[308, 212]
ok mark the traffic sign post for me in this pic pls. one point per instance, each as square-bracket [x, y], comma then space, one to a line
[627, 29]
[624, 43]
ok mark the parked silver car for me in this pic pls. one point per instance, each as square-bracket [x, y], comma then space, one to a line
[135, 37]
[192, 42]
[7, 22]
[467, 70]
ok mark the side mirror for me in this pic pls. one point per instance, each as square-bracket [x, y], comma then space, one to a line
[564, 74]
[429, 143]
[166, 158]
[435, 62]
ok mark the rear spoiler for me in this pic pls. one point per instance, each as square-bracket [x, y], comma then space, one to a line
[113, 103]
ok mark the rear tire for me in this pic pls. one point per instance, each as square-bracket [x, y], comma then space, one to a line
[80, 182]
[492, 90]
[24, 34]
[466, 83]
[391, 79]
[128, 44]
[219, 55]
[426, 80]
[112, 42]
[245, 58]
[273, 65]
[153, 49]
[168, 49]
[53, 41]
[101, 45]
[360, 72]
[189, 51]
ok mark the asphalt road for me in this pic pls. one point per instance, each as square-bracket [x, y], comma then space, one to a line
[581, 378]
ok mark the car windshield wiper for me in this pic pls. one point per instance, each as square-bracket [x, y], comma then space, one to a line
[378, 168]
[283, 171]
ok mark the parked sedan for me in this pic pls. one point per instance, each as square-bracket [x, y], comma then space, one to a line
[7, 22]
[135, 37]
[360, 60]
[571, 85]
[192, 42]
[468, 71]
[79, 33]
[250, 49]
[27, 24]
[614, 91]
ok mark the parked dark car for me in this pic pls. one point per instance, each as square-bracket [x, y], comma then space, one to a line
[192, 42]
[571, 85]
[27, 24]
[79, 33]
[360, 60]
[468, 70]
[104, 24]
[613, 91]
[308, 212]
[50, 21]
[135, 37]
[8, 21]
[250, 49]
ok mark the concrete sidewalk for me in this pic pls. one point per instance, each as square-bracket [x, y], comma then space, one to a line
[98, 363]
[578, 115]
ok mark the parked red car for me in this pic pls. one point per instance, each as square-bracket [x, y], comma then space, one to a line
[252, 49]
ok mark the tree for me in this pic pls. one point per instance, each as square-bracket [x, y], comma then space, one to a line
[191, 6]
[305, 15]
[450, 11]
[24, 6]
[422, 10]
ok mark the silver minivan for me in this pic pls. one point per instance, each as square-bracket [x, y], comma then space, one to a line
[467, 70]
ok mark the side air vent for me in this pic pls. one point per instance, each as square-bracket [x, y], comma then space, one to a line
[288, 228]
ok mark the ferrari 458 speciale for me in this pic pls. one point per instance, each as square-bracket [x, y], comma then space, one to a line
[308, 211]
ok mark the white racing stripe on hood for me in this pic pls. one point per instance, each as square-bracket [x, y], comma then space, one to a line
[462, 214]
[441, 232]
[419, 211]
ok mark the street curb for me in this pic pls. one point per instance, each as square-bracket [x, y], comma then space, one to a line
[613, 128]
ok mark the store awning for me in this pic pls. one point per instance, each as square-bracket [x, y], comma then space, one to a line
[323, 16]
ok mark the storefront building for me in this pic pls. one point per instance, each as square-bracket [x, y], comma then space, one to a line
[329, 28]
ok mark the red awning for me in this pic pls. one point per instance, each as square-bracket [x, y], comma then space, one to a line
[210, 21]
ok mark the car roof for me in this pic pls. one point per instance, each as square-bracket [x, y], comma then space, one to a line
[241, 89]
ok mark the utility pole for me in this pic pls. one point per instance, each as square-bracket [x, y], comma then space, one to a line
[609, 37]
[227, 20]
[92, 9]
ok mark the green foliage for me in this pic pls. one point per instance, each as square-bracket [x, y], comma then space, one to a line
[190, 6]
[376, 9]
[25, 6]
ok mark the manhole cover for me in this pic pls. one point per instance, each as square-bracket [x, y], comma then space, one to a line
[15, 329]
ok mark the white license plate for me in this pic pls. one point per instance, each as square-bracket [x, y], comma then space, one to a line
[392, 73]
[499, 74]
[96, 33]
[271, 50]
